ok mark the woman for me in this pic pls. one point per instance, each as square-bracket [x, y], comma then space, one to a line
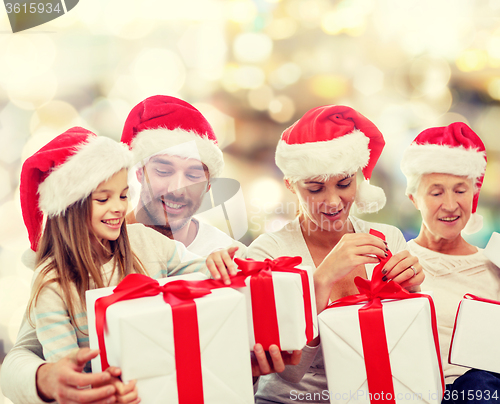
[319, 156]
[445, 168]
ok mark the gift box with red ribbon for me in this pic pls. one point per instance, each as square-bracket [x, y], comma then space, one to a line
[184, 341]
[474, 342]
[281, 305]
[381, 345]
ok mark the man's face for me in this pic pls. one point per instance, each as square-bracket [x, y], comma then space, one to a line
[172, 189]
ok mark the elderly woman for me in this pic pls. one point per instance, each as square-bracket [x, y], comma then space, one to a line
[320, 155]
[445, 168]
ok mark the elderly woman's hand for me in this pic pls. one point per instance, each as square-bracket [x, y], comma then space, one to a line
[404, 269]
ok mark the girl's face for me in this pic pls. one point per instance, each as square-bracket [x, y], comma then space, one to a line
[109, 206]
[327, 203]
[445, 203]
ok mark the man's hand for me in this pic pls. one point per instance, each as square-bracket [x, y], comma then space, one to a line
[274, 362]
[64, 381]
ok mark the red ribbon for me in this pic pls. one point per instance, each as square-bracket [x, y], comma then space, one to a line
[180, 295]
[373, 336]
[467, 296]
[266, 330]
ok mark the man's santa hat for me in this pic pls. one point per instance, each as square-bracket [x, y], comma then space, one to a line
[333, 140]
[162, 124]
[66, 170]
[453, 149]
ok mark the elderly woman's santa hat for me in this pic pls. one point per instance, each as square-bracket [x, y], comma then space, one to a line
[167, 125]
[64, 171]
[453, 149]
[333, 140]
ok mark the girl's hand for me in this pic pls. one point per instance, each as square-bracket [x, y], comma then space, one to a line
[125, 393]
[404, 269]
[275, 362]
[220, 264]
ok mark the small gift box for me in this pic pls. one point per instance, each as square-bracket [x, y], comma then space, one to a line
[381, 345]
[183, 341]
[281, 305]
[474, 341]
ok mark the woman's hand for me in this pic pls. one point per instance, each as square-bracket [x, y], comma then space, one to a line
[352, 250]
[220, 264]
[404, 269]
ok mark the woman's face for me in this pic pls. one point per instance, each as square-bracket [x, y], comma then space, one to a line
[326, 203]
[445, 203]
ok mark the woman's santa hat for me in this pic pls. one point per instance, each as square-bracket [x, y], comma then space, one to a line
[453, 149]
[161, 125]
[333, 140]
[66, 170]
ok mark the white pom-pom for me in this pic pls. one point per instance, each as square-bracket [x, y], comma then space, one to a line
[28, 258]
[474, 224]
[369, 198]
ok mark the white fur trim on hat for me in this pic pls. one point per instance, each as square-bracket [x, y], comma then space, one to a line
[151, 142]
[94, 162]
[431, 158]
[342, 155]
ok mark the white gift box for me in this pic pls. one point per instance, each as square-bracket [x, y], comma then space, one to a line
[140, 341]
[414, 360]
[474, 342]
[290, 309]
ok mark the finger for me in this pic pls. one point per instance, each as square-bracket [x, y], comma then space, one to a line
[232, 250]
[413, 284]
[399, 263]
[114, 371]
[127, 388]
[229, 263]
[83, 355]
[86, 379]
[104, 394]
[130, 395]
[212, 268]
[221, 268]
[360, 239]
[294, 358]
[260, 355]
[278, 364]
[372, 251]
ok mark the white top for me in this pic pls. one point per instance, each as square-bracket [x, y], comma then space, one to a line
[160, 256]
[450, 277]
[209, 238]
[289, 241]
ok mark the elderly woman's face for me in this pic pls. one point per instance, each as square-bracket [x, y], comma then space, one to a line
[445, 203]
[327, 203]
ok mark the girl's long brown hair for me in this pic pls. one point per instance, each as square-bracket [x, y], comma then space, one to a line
[66, 249]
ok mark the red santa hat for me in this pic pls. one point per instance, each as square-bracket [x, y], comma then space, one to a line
[453, 149]
[66, 170]
[159, 124]
[333, 140]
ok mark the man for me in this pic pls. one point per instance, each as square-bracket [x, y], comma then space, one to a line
[177, 154]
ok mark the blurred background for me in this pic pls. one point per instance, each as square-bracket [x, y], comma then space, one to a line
[252, 68]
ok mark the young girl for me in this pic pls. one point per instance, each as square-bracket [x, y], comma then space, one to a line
[79, 182]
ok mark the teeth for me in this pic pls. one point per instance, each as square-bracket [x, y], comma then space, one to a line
[112, 221]
[173, 205]
[449, 219]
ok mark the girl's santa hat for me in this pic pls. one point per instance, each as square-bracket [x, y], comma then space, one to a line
[66, 170]
[333, 140]
[161, 125]
[453, 149]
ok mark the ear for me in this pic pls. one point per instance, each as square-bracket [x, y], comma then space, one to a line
[139, 174]
[289, 185]
[208, 186]
[414, 201]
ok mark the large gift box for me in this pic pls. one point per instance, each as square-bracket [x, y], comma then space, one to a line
[474, 342]
[281, 305]
[381, 345]
[184, 341]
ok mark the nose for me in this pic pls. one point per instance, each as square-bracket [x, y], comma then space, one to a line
[119, 206]
[177, 184]
[332, 199]
[450, 203]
